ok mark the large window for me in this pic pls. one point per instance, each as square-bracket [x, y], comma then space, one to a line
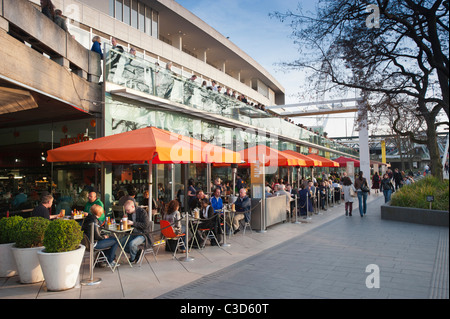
[119, 9]
[126, 11]
[136, 14]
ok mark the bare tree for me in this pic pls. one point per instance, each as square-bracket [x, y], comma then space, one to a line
[394, 51]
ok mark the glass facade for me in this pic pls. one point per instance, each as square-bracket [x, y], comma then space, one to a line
[144, 76]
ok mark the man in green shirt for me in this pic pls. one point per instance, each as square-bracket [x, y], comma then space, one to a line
[93, 200]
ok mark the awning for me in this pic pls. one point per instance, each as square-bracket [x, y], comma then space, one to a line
[325, 161]
[308, 160]
[143, 145]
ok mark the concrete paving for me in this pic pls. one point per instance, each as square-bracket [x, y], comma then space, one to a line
[329, 257]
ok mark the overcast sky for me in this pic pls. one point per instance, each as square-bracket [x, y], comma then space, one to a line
[266, 40]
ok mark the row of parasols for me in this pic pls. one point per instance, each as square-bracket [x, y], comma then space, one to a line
[157, 146]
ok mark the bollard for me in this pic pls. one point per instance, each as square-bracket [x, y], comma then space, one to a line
[187, 258]
[91, 281]
[296, 211]
[225, 230]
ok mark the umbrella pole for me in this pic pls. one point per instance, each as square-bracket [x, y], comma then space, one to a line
[150, 190]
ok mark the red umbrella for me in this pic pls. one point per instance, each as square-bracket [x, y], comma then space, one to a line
[343, 161]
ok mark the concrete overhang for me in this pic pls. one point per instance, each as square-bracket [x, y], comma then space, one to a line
[21, 105]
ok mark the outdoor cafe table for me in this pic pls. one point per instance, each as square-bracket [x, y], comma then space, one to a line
[119, 233]
[193, 227]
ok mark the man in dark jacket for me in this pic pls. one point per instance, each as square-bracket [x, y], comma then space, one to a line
[138, 219]
[243, 206]
[100, 241]
[398, 179]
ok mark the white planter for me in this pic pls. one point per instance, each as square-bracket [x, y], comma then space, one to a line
[61, 269]
[8, 266]
[28, 264]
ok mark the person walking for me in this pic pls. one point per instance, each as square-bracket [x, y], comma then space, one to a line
[362, 190]
[376, 182]
[348, 189]
[386, 187]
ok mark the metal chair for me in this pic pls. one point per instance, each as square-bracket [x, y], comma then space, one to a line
[151, 249]
[209, 235]
[118, 211]
[245, 223]
[99, 254]
[168, 233]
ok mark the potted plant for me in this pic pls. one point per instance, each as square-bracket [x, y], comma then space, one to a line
[62, 256]
[28, 240]
[8, 227]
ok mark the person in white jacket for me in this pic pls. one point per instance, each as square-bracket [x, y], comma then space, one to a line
[348, 189]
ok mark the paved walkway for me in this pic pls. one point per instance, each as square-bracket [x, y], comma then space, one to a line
[324, 258]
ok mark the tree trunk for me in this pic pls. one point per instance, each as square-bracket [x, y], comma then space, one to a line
[433, 148]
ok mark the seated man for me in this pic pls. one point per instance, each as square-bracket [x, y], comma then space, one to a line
[216, 200]
[100, 241]
[197, 201]
[93, 200]
[243, 205]
[43, 209]
[138, 218]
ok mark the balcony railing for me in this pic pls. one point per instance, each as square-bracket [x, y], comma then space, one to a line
[126, 70]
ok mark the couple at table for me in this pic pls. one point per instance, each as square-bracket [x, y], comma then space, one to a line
[138, 219]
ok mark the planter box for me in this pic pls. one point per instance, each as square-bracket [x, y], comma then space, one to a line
[414, 215]
[61, 269]
[8, 266]
[28, 265]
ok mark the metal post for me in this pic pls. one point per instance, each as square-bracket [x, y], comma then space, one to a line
[296, 211]
[308, 215]
[187, 258]
[91, 281]
[225, 230]
[263, 200]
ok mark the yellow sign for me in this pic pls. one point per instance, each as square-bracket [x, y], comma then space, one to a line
[383, 151]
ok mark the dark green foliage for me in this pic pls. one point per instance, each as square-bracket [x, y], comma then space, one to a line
[8, 228]
[62, 235]
[30, 232]
[415, 195]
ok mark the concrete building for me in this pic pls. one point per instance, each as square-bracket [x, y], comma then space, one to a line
[55, 91]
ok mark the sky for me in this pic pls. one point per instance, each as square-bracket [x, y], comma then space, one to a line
[267, 41]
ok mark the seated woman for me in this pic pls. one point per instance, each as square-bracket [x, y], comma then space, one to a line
[173, 216]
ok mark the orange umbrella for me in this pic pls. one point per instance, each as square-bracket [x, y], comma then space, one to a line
[272, 157]
[150, 144]
[325, 161]
[146, 144]
[308, 160]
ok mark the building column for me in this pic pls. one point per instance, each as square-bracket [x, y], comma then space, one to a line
[364, 154]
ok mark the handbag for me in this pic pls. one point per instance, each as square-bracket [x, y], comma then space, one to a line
[352, 192]
[365, 187]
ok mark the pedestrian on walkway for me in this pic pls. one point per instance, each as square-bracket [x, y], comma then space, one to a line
[349, 192]
[387, 187]
[376, 182]
[362, 190]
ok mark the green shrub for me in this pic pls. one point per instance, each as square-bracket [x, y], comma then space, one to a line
[8, 228]
[415, 195]
[30, 232]
[62, 235]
